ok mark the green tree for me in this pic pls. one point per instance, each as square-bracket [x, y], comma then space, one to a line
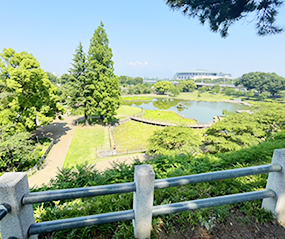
[187, 86]
[216, 89]
[31, 99]
[137, 80]
[237, 131]
[105, 88]
[162, 86]
[201, 89]
[64, 79]
[80, 87]
[262, 81]
[52, 78]
[175, 140]
[16, 150]
[233, 133]
[222, 14]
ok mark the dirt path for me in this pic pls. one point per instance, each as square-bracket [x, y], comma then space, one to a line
[61, 131]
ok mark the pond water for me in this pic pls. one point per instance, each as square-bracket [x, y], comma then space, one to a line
[199, 110]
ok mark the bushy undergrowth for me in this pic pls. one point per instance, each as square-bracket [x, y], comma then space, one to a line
[164, 167]
[19, 152]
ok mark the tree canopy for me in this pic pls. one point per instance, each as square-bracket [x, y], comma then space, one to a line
[224, 13]
[186, 85]
[28, 99]
[127, 80]
[175, 140]
[105, 88]
[52, 78]
[80, 88]
[236, 131]
[163, 86]
[262, 81]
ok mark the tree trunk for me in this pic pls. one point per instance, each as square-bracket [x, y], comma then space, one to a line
[86, 119]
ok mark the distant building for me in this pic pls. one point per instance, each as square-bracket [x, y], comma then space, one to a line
[201, 74]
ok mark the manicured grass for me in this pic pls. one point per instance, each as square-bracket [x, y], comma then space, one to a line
[205, 96]
[167, 116]
[139, 98]
[131, 136]
[128, 110]
[85, 142]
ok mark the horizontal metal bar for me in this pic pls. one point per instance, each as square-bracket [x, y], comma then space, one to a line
[218, 175]
[77, 222]
[210, 202]
[73, 193]
[4, 210]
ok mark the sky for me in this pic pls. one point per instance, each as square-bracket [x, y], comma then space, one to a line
[147, 38]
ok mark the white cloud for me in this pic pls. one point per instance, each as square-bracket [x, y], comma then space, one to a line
[138, 63]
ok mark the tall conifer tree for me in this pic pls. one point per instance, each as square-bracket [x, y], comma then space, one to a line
[80, 87]
[106, 92]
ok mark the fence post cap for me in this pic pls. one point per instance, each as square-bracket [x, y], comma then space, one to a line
[10, 179]
[144, 169]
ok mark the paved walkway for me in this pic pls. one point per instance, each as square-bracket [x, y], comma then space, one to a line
[61, 131]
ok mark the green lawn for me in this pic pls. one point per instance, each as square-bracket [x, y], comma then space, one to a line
[128, 110]
[85, 142]
[167, 116]
[134, 98]
[132, 135]
[205, 96]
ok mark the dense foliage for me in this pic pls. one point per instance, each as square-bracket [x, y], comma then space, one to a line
[100, 71]
[28, 97]
[261, 81]
[164, 166]
[27, 100]
[52, 78]
[80, 87]
[175, 140]
[162, 87]
[186, 86]
[140, 89]
[236, 131]
[127, 80]
[222, 14]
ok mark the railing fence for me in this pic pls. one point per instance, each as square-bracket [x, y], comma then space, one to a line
[17, 218]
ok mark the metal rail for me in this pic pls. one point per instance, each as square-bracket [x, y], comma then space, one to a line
[218, 175]
[64, 194]
[4, 210]
[71, 223]
[210, 202]
[58, 225]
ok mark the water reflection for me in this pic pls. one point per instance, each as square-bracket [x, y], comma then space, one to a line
[202, 111]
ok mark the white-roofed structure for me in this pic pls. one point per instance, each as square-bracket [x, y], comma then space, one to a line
[201, 74]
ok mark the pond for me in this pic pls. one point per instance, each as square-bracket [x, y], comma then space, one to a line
[199, 110]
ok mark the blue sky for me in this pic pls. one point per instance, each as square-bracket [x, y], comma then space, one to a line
[148, 39]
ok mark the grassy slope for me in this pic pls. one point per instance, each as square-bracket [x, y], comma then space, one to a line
[133, 135]
[84, 144]
[128, 110]
[167, 116]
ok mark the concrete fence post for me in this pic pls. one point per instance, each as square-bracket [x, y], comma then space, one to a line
[143, 200]
[276, 182]
[13, 186]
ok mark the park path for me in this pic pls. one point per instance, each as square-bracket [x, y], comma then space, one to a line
[61, 131]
